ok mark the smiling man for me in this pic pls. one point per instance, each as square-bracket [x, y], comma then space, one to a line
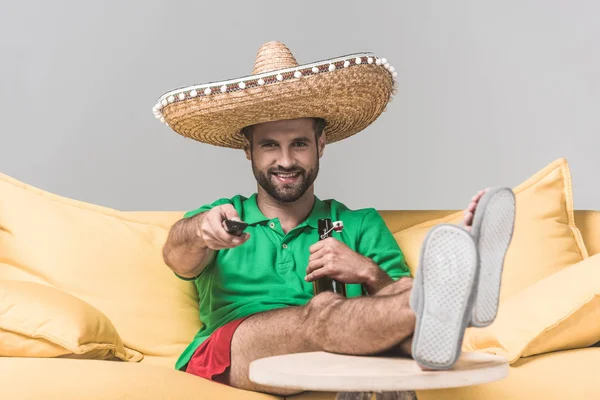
[302, 140]
[256, 290]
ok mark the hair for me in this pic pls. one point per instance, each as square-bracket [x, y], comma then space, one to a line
[319, 125]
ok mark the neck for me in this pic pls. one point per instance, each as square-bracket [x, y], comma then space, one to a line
[290, 215]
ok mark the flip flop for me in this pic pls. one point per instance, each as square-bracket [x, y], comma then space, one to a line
[444, 290]
[492, 230]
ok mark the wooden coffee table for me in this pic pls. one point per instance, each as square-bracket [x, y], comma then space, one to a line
[350, 376]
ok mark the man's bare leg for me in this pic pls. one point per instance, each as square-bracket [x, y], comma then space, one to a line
[403, 285]
[329, 322]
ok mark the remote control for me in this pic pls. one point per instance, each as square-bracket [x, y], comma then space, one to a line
[235, 227]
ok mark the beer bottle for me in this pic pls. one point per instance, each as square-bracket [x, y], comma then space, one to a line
[325, 283]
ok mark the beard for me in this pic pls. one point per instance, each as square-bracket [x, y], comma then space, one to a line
[286, 192]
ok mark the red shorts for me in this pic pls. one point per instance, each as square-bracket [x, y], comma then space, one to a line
[213, 356]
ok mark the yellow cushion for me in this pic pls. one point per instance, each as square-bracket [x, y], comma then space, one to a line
[40, 321]
[107, 258]
[571, 375]
[56, 378]
[545, 238]
[560, 312]
[588, 222]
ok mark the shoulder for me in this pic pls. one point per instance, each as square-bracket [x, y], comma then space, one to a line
[237, 201]
[342, 211]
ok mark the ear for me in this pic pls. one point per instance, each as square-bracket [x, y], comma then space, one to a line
[322, 142]
[247, 148]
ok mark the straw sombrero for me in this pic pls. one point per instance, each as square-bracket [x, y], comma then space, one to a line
[348, 92]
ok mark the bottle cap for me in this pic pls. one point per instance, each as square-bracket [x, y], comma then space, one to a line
[338, 226]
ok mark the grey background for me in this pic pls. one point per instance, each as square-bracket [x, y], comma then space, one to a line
[490, 92]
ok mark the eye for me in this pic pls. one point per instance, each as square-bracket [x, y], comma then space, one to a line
[301, 144]
[268, 145]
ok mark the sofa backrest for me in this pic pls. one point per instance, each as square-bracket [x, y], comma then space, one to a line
[588, 221]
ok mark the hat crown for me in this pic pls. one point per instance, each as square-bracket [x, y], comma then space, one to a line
[273, 56]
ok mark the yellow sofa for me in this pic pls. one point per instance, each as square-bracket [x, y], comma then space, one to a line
[111, 319]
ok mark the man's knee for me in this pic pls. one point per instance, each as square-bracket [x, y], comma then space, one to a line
[405, 283]
[317, 315]
[322, 303]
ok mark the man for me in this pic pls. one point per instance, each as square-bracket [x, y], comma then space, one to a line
[256, 292]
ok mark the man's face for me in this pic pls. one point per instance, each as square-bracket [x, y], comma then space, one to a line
[285, 159]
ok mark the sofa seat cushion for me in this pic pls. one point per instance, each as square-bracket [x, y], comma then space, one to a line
[37, 378]
[571, 374]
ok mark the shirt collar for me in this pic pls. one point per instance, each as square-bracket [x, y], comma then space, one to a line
[319, 211]
[253, 215]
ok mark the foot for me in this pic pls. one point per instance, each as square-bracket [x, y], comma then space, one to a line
[467, 224]
[443, 293]
[490, 219]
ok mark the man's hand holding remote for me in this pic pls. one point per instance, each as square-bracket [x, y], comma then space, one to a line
[213, 228]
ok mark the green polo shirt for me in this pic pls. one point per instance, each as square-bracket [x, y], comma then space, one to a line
[267, 271]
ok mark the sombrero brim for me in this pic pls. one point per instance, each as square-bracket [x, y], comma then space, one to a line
[348, 92]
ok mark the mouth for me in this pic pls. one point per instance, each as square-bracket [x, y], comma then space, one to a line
[286, 178]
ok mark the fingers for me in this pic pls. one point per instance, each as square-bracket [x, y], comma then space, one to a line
[214, 232]
[229, 212]
[241, 239]
[468, 219]
[479, 195]
[472, 206]
[470, 210]
[330, 242]
[315, 263]
[317, 260]
[217, 233]
[317, 274]
[469, 213]
[317, 246]
[317, 254]
[228, 240]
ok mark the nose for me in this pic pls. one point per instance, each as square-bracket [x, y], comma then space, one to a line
[286, 160]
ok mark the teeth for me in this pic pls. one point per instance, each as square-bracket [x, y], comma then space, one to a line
[286, 175]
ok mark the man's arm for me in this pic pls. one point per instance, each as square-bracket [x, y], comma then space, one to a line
[377, 278]
[376, 262]
[333, 258]
[185, 251]
[192, 242]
